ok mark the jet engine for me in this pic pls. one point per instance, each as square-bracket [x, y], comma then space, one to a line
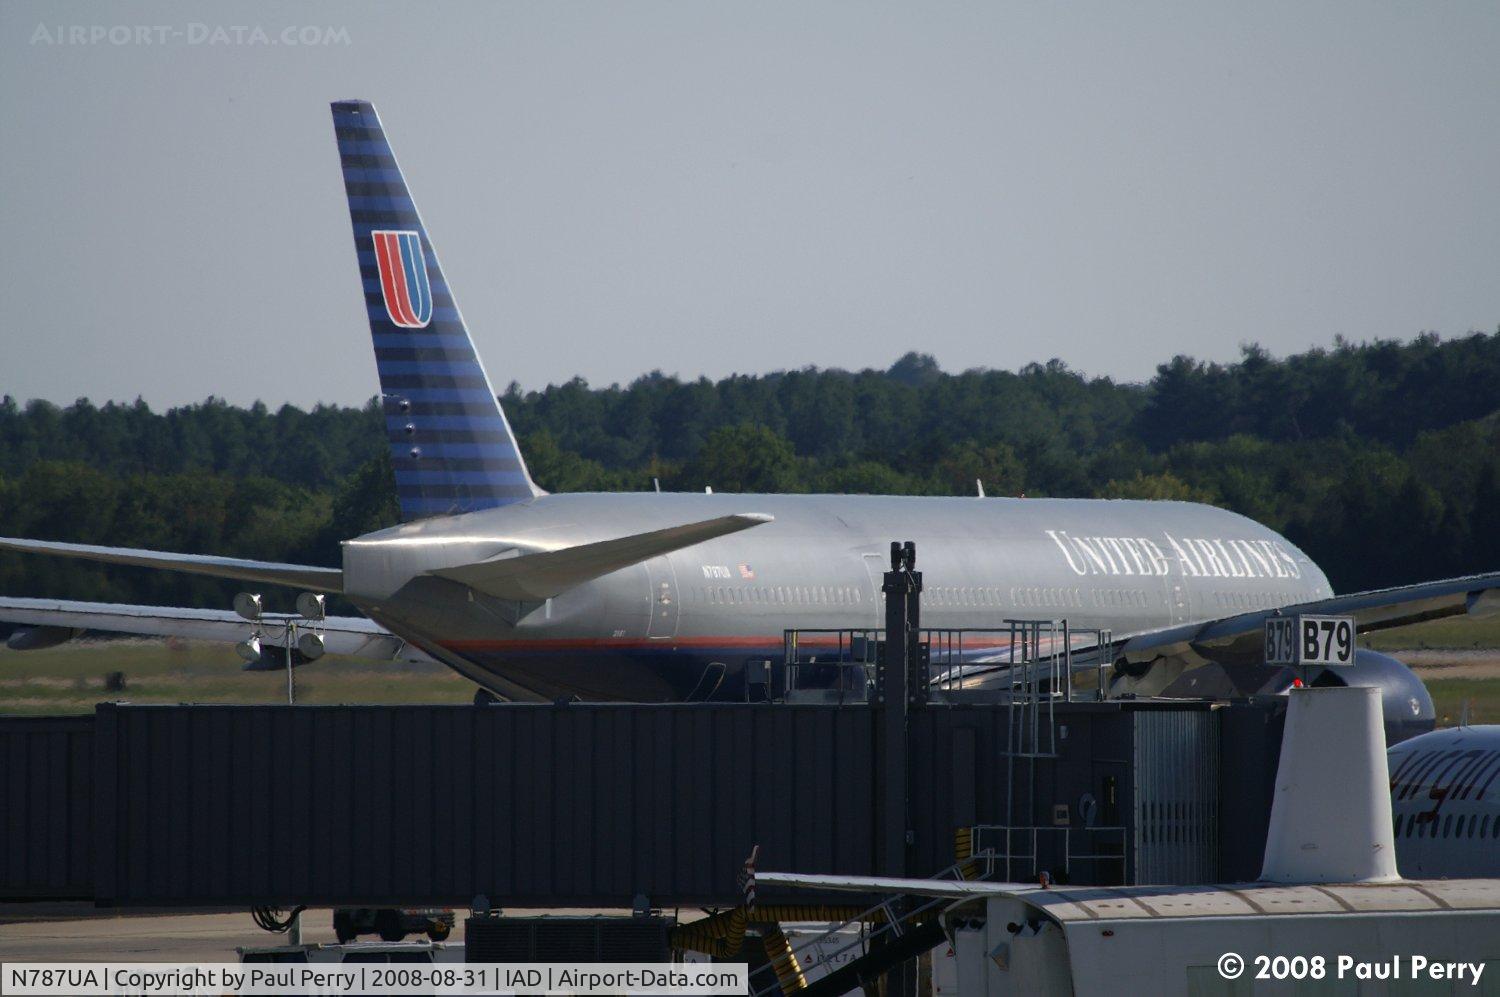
[37, 638]
[1406, 704]
[1405, 700]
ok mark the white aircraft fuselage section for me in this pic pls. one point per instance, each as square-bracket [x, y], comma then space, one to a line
[1126, 565]
[1445, 794]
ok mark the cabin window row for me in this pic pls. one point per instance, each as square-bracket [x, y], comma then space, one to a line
[981, 596]
[938, 595]
[777, 595]
[1467, 826]
[1252, 600]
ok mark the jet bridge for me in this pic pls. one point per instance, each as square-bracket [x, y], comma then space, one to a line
[590, 805]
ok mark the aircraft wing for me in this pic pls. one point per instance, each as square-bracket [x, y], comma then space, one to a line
[296, 575]
[548, 573]
[353, 636]
[1238, 637]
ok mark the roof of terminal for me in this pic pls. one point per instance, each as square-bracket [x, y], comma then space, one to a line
[1113, 903]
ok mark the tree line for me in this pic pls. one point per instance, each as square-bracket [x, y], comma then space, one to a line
[1381, 459]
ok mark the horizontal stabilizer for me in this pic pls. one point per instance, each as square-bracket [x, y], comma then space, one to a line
[295, 575]
[352, 636]
[548, 573]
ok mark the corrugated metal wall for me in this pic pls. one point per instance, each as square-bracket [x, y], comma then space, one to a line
[46, 797]
[1176, 796]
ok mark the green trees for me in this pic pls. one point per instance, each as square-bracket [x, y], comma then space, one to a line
[744, 458]
[365, 501]
[1381, 459]
[197, 511]
[1385, 390]
[997, 466]
[1165, 486]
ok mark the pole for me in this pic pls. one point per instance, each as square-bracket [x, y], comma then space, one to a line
[1067, 661]
[900, 685]
[894, 690]
[291, 638]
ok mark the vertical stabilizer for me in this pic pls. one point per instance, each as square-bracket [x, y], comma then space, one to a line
[1331, 816]
[452, 448]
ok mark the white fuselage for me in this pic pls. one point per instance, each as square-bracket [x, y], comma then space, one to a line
[1445, 796]
[655, 629]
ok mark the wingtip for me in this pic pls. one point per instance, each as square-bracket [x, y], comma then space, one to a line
[756, 518]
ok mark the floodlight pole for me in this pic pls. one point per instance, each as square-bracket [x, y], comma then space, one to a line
[248, 607]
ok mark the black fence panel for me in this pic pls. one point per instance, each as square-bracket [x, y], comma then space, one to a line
[46, 802]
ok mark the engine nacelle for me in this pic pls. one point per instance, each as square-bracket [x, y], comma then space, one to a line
[1404, 699]
[36, 638]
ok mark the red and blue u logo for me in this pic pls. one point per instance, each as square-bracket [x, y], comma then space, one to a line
[403, 278]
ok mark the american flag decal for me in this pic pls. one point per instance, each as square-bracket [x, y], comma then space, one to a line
[403, 277]
[747, 573]
[747, 878]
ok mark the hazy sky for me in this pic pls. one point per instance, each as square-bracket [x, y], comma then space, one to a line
[719, 187]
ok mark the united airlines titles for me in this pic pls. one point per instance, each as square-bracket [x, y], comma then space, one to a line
[1193, 557]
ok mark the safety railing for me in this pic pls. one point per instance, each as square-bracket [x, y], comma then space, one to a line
[1013, 852]
[838, 665]
[1029, 662]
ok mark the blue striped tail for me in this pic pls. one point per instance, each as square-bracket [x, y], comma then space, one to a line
[452, 448]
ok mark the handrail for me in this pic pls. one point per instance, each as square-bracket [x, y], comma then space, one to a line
[1067, 831]
[893, 923]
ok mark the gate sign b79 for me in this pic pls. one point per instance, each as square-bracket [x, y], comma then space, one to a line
[1310, 640]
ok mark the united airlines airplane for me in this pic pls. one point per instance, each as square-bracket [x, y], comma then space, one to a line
[650, 596]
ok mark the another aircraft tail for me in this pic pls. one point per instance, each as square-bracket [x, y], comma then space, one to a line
[451, 446]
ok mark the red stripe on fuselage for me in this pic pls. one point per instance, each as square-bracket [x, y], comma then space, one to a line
[638, 643]
[579, 643]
